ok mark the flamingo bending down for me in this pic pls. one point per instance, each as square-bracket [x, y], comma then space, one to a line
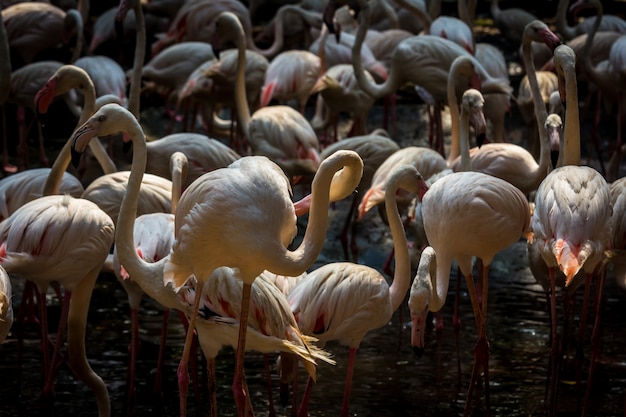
[470, 214]
[572, 218]
[344, 301]
[241, 186]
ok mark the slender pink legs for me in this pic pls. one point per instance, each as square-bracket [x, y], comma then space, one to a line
[240, 389]
[183, 370]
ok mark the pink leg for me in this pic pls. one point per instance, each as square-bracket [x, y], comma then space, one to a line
[270, 396]
[212, 387]
[240, 392]
[183, 371]
[456, 321]
[345, 405]
[133, 348]
[158, 381]
[304, 405]
[595, 338]
[49, 386]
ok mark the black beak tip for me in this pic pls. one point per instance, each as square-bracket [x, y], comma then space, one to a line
[119, 29]
[127, 146]
[75, 157]
[481, 139]
[419, 352]
[554, 157]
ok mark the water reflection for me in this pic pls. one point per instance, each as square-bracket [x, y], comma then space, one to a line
[388, 381]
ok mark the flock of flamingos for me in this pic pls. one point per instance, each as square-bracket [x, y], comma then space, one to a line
[207, 224]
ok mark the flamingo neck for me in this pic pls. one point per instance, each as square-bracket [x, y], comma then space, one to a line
[541, 115]
[466, 162]
[375, 90]
[592, 72]
[63, 159]
[124, 239]
[293, 263]
[440, 282]
[571, 132]
[402, 272]
[567, 31]
[140, 53]
[5, 64]
[241, 101]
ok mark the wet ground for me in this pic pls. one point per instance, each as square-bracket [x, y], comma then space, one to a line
[389, 380]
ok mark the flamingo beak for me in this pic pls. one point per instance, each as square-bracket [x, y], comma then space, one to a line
[418, 329]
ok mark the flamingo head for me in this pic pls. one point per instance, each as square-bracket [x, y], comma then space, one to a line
[553, 126]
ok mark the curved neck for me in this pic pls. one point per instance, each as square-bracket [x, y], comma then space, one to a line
[591, 71]
[390, 13]
[140, 53]
[241, 100]
[466, 162]
[560, 20]
[124, 236]
[541, 114]
[293, 263]
[402, 272]
[75, 16]
[5, 63]
[440, 281]
[571, 132]
[63, 159]
[375, 90]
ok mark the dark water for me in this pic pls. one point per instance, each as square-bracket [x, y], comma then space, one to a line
[389, 379]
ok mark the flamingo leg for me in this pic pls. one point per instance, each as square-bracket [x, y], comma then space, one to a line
[132, 351]
[582, 327]
[456, 321]
[49, 385]
[595, 338]
[212, 387]
[158, 380]
[76, 330]
[240, 392]
[183, 370]
[304, 405]
[345, 405]
[554, 351]
[270, 396]
[43, 314]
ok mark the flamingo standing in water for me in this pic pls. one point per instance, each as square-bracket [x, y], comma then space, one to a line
[206, 240]
[58, 238]
[344, 301]
[571, 222]
[469, 214]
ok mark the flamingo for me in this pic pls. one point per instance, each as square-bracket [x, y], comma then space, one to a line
[279, 132]
[511, 21]
[470, 214]
[167, 71]
[272, 325]
[496, 105]
[196, 20]
[344, 301]
[605, 76]
[36, 27]
[63, 80]
[571, 222]
[153, 239]
[66, 241]
[509, 161]
[433, 54]
[427, 161]
[25, 82]
[373, 149]
[618, 243]
[6, 307]
[428, 293]
[188, 258]
[291, 75]
[5, 88]
[610, 23]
